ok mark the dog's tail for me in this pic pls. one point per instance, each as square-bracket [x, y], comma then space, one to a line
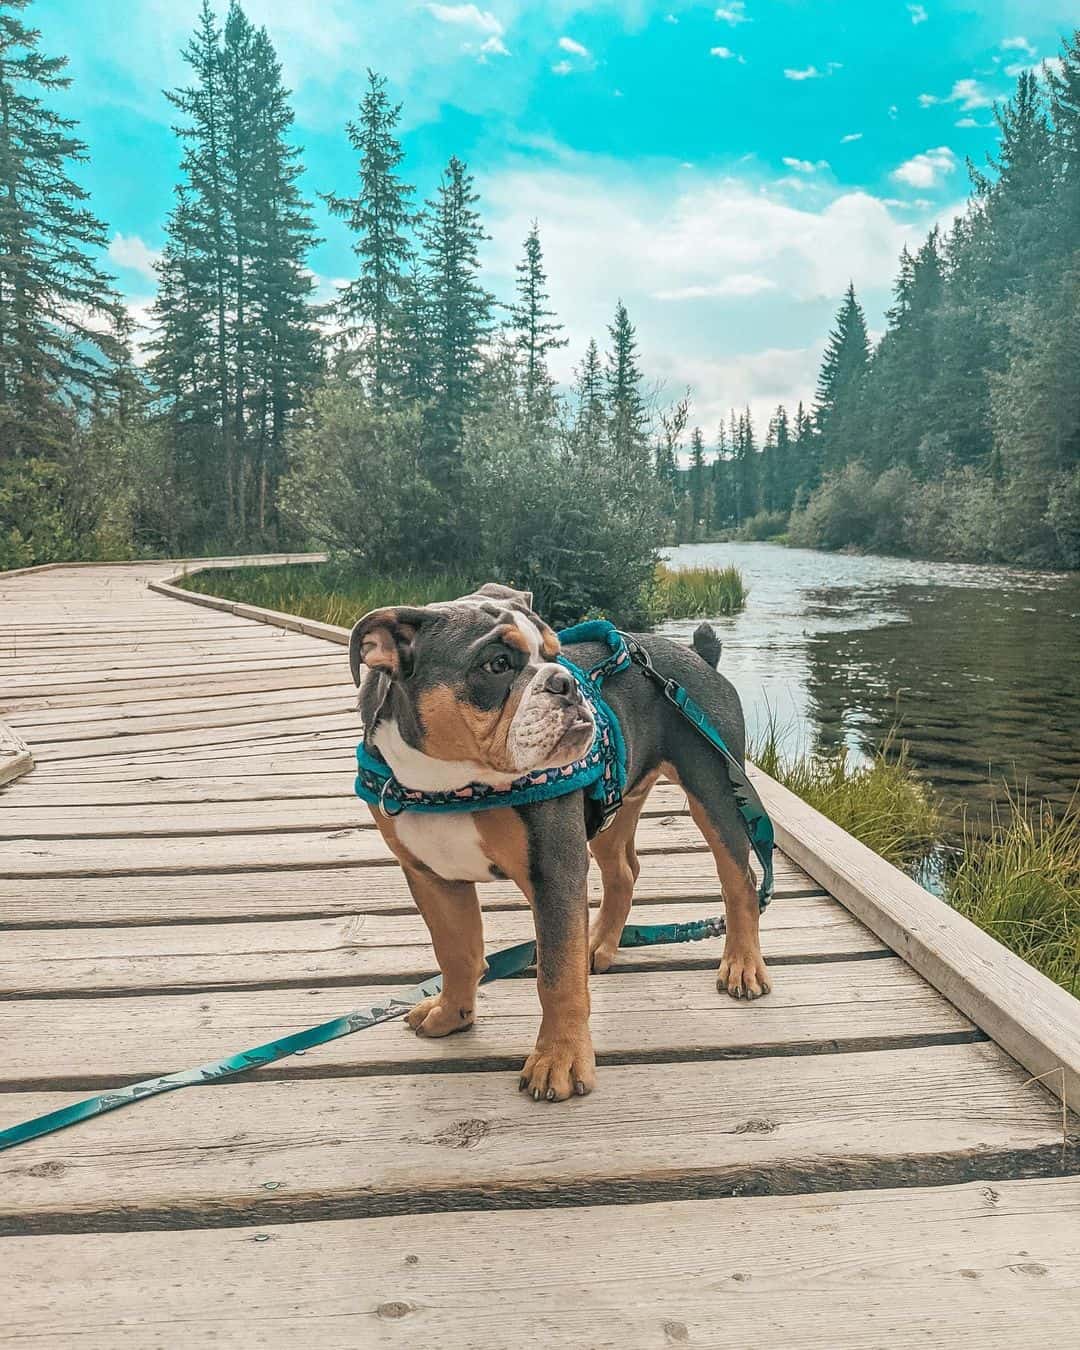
[707, 644]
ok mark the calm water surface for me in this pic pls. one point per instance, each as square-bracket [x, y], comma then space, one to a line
[979, 665]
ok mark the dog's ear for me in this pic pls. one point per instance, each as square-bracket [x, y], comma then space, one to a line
[381, 639]
[507, 593]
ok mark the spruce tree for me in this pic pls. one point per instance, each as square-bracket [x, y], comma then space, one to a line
[236, 347]
[62, 327]
[459, 313]
[746, 467]
[590, 421]
[783, 474]
[1064, 88]
[534, 333]
[840, 383]
[806, 452]
[698, 481]
[380, 215]
[627, 417]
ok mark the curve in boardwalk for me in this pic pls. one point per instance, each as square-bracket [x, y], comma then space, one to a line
[186, 872]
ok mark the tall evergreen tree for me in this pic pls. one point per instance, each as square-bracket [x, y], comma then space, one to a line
[534, 333]
[840, 383]
[1064, 89]
[380, 215]
[235, 346]
[590, 420]
[806, 452]
[459, 312]
[62, 327]
[627, 417]
[698, 480]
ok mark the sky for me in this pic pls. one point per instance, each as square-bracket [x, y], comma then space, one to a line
[724, 169]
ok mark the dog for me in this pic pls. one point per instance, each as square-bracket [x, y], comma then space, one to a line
[468, 691]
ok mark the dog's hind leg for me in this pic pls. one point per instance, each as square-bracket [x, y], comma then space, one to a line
[616, 857]
[742, 973]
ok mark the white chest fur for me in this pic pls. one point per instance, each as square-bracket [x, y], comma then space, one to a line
[448, 843]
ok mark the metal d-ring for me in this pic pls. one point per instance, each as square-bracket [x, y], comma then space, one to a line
[382, 801]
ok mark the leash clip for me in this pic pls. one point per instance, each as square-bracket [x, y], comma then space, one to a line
[383, 798]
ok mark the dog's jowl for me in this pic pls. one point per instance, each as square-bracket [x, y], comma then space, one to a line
[464, 699]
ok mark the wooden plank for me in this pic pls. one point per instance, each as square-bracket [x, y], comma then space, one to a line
[75, 680]
[949, 1267]
[255, 1151]
[133, 693]
[350, 846]
[236, 699]
[359, 948]
[636, 1017]
[197, 652]
[333, 809]
[1032, 1018]
[329, 632]
[15, 755]
[322, 892]
[332, 752]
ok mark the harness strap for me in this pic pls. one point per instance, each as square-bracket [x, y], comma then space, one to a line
[507, 961]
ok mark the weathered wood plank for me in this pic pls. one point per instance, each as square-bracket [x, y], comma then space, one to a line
[636, 1016]
[323, 892]
[16, 758]
[332, 810]
[950, 1267]
[253, 1151]
[133, 693]
[237, 698]
[363, 948]
[76, 680]
[197, 652]
[1035, 1020]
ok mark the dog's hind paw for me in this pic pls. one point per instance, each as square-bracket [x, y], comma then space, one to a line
[435, 1017]
[743, 975]
[602, 953]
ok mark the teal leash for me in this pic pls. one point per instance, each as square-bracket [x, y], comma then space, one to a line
[500, 964]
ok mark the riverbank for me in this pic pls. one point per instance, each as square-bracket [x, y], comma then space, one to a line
[334, 592]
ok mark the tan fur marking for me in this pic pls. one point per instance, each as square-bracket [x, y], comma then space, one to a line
[550, 646]
[451, 910]
[505, 841]
[455, 730]
[617, 859]
[512, 636]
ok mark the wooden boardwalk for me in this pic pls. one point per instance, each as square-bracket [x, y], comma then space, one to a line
[850, 1162]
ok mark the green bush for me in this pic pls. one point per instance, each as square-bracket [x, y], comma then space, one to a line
[765, 525]
[697, 592]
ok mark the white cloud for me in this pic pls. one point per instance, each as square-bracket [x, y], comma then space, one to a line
[738, 284]
[1018, 44]
[734, 12]
[805, 165]
[128, 250]
[494, 46]
[812, 72]
[893, 111]
[918, 13]
[467, 16]
[567, 44]
[726, 54]
[670, 18]
[970, 94]
[926, 170]
[851, 136]
[562, 68]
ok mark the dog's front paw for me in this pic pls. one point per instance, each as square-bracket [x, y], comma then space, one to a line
[559, 1068]
[743, 973]
[438, 1017]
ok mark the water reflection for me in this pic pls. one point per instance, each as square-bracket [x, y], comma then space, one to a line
[981, 664]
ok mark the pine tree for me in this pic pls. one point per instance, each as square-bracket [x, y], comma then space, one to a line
[535, 336]
[806, 451]
[459, 312]
[62, 327]
[626, 407]
[590, 421]
[698, 480]
[783, 476]
[840, 383]
[747, 489]
[1064, 86]
[380, 215]
[236, 347]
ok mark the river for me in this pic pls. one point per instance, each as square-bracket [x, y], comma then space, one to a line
[979, 666]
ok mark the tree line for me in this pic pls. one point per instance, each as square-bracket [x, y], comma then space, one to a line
[414, 421]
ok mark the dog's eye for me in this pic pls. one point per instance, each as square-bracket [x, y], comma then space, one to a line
[498, 665]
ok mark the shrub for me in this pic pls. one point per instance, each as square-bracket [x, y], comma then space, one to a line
[765, 525]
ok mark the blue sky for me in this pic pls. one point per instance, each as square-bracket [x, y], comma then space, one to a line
[724, 168]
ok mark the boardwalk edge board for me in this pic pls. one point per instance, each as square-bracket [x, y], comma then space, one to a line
[15, 755]
[1029, 1016]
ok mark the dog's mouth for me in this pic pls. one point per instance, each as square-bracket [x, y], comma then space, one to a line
[578, 733]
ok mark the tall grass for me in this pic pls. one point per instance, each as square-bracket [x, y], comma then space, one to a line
[335, 592]
[1019, 879]
[880, 802]
[329, 592]
[697, 592]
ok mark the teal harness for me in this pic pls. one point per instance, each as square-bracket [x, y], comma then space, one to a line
[601, 774]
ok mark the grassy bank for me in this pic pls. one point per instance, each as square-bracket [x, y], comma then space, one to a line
[334, 592]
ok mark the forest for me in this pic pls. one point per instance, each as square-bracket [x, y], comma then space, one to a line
[253, 417]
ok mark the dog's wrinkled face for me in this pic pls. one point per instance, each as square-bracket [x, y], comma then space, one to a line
[471, 681]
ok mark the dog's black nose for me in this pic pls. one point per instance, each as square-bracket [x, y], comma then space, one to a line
[558, 682]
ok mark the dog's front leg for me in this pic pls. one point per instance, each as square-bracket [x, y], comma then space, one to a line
[451, 910]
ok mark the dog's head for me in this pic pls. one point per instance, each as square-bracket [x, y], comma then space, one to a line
[471, 681]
